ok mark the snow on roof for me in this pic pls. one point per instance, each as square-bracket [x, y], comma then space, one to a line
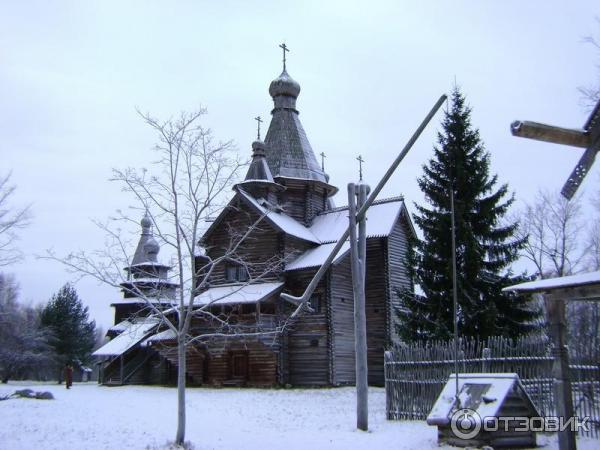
[134, 333]
[140, 300]
[315, 257]
[381, 217]
[166, 335]
[237, 293]
[481, 392]
[121, 326]
[556, 283]
[281, 221]
[149, 264]
[149, 280]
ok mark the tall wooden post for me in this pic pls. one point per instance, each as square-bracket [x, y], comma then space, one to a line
[555, 309]
[358, 246]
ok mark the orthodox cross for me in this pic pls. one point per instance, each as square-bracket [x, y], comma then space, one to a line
[588, 137]
[285, 49]
[360, 163]
[258, 122]
[323, 161]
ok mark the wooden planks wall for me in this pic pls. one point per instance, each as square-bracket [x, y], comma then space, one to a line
[397, 243]
[307, 355]
[342, 323]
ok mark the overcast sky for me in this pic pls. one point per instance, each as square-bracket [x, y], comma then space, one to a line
[72, 74]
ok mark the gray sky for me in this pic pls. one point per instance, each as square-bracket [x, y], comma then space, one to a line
[72, 74]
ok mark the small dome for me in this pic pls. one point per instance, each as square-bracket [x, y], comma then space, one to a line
[146, 222]
[258, 148]
[284, 85]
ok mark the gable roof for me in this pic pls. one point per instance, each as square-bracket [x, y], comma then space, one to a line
[315, 257]
[328, 226]
[482, 392]
[381, 217]
[278, 220]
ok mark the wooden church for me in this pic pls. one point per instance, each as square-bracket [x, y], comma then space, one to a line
[287, 189]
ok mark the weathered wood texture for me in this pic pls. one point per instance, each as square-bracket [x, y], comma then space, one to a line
[342, 316]
[376, 307]
[257, 251]
[416, 374]
[397, 246]
[302, 199]
[342, 323]
[307, 353]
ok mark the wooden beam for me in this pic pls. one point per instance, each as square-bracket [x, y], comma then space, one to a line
[556, 316]
[549, 133]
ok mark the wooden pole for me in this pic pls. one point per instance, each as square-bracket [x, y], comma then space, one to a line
[305, 297]
[555, 308]
[358, 263]
[454, 295]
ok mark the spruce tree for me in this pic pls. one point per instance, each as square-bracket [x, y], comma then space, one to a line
[485, 245]
[73, 334]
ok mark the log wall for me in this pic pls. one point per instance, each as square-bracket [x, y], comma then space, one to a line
[397, 246]
[307, 354]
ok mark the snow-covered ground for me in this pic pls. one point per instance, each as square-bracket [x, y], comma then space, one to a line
[137, 417]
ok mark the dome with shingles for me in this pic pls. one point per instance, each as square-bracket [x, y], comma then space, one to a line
[284, 85]
[288, 151]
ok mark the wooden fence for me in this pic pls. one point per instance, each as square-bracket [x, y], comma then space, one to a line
[415, 375]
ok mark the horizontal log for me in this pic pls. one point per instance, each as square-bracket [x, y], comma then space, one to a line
[549, 133]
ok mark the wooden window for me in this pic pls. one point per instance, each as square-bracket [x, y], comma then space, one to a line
[236, 273]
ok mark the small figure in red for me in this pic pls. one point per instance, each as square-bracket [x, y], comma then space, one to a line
[68, 375]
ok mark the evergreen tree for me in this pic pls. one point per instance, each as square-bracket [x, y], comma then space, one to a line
[485, 247]
[73, 335]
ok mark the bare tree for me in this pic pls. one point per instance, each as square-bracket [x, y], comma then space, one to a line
[193, 175]
[12, 219]
[23, 343]
[590, 95]
[554, 230]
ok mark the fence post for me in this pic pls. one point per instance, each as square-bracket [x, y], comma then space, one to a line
[486, 355]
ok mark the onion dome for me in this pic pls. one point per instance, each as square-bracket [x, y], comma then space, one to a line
[284, 85]
[146, 222]
[288, 151]
[147, 248]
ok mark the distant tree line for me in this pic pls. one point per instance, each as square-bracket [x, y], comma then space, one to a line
[37, 342]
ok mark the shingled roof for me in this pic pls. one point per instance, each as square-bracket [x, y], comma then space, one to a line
[289, 153]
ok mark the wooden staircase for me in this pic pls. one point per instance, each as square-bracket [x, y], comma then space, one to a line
[194, 361]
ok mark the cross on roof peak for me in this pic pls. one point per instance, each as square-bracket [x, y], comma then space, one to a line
[360, 163]
[323, 156]
[284, 49]
[258, 122]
